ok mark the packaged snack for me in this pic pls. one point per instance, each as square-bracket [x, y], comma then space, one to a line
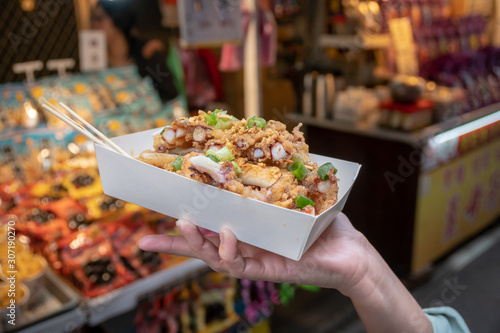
[42, 224]
[125, 235]
[89, 261]
[17, 110]
[83, 183]
[118, 78]
[407, 117]
[216, 302]
[102, 206]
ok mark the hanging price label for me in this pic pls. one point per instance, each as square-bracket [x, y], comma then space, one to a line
[404, 46]
[209, 22]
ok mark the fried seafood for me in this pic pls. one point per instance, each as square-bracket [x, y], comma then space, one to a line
[253, 158]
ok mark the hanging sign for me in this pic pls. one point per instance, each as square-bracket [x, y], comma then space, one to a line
[209, 22]
[404, 46]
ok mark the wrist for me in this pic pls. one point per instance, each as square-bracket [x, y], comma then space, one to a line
[370, 274]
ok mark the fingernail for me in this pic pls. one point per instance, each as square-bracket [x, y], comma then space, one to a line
[222, 235]
[179, 223]
[143, 241]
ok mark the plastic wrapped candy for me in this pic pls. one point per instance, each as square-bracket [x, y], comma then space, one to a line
[125, 235]
[90, 262]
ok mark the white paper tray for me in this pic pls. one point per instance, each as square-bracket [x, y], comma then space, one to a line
[279, 230]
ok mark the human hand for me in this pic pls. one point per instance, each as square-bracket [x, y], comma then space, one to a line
[338, 259]
[341, 258]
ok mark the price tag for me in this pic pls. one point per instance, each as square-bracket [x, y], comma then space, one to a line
[93, 50]
[209, 22]
[404, 46]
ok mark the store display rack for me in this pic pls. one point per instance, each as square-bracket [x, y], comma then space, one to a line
[56, 305]
[413, 138]
[66, 310]
[361, 41]
[124, 299]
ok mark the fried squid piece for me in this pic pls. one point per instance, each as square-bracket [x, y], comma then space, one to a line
[253, 158]
[201, 168]
[322, 192]
[160, 160]
[184, 133]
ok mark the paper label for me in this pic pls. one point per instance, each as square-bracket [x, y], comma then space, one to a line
[404, 46]
[93, 50]
[209, 22]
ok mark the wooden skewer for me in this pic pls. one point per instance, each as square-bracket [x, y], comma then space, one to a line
[50, 108]
[95, 130]
[72, 124]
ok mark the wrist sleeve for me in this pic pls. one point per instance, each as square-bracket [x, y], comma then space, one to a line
[446, 320]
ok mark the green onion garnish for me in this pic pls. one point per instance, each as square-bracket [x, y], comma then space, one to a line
[302, 201]
[297, 158]
[163, 130]
[217, 111]
[211, 118]
[323, 170]
[177, 163]
[223, 154]
[213, 158]
[224, 123]
[256, 122]
[237, 168]
[299, 170]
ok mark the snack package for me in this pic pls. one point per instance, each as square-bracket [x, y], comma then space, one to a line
[9, 197]
[118, 78]
[125, 235]
[103, 207]
[84, 183]
[215, 304]
[253, 158]
[17, 110]
[90, 262]
[40, 223]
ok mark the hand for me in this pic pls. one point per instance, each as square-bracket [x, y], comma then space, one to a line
[341, 258]
[338, 259]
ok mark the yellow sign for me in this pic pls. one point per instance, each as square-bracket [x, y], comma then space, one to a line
[455, 201]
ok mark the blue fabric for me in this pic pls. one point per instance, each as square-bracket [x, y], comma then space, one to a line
[446, 320]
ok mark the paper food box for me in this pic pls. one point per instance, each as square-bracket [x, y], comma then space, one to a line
[283, 231]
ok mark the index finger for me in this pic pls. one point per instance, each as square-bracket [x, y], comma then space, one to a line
[176, 245]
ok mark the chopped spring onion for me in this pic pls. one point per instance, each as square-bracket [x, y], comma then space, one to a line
[323, 170]
[302, 201]
[256, 122]
[163, 130]
[213, 157]
[237, 168]
[297, 158]
[224, 123]
[223, 154]
[211, 118]
[177, 163]
[299, 170]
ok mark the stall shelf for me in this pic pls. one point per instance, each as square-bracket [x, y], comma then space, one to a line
[124, 299]
[419, 194]
[95, 311]
[361, 41]
[56, 309]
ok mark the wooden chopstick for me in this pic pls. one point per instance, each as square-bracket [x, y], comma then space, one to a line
[95, 130]
[53, 110]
